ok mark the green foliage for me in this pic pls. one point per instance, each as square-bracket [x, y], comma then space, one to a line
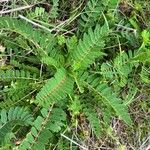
[82, 67]
[63, 144]
[50, 61]
[9, 75]
[119, 70]
[93, 12]
[89, 48]
[43, 129]
[31, 69]
[143, 56]
[13, 117]
[54, 9]
[39, 11]
[55, 89]
[16, 93]
[93, 119]
[109, 98]
[145, 75]
[36, 38]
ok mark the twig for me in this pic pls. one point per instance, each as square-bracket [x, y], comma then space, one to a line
[148, 147]
[34, 23]
[41, 70]
[40, 26]
[70, 31]
[144, 143]
[4, 1]
[24, 97]
[15, 9]
[73, 141]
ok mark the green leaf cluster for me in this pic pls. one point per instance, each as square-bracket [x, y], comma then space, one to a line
[68, 79]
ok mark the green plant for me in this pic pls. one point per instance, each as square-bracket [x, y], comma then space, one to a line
[93, 12]
[74, 83]
[43, 129]
[11, 118]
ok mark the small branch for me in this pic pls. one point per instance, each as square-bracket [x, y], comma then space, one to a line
[148, 147]
[1, 1]
[69, 31]
[15, 9]
[73, 142]
[34, 23]
[41, 70]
